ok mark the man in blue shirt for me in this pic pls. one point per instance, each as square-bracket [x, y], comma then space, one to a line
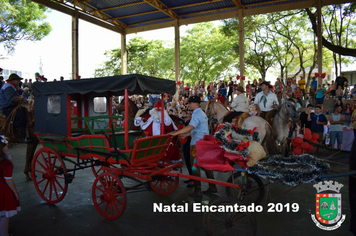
[318, 120]
[314, 83]
[9, 100]
[197, 128]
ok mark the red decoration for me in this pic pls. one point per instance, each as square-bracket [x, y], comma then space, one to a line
[307, 134]
[315, 136]
[305, 146]
[237, 77]
[311, 148]
[220, 126]
[77, 75]
[298, 141]
[178, 83]
[322, 75]
[243, 77]
[297, 151]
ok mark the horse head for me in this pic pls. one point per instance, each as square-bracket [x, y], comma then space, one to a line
[132, 107]
[287, 109]
[218, 108]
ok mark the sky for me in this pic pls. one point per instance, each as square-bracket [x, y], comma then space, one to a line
[54, 51]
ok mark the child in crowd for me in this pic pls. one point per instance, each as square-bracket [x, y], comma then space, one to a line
[9, 197]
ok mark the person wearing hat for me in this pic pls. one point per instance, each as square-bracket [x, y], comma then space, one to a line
[266, 102]
[9, 99]
[197, 128]
[239, 105]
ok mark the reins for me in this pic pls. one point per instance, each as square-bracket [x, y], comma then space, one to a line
[286, 120]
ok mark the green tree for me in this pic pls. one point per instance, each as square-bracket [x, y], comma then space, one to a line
[143, 57]
[206, 54]
[257, 43]
[21, 20]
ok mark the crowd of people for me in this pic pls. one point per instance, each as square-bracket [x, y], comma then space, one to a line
[262, 98]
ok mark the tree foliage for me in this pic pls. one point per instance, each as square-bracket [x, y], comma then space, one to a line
[143, 57]
[21, 20]
[205, 55]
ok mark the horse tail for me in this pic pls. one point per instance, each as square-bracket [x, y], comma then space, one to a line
[269, 141]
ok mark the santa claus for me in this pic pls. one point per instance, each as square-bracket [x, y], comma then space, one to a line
[151, 123]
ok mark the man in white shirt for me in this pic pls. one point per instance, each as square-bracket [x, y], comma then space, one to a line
[266, 102]
[239, 105]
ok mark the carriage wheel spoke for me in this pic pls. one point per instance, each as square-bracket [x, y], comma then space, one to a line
[59, 184]
[40, 163]
[50, 190]
[44, 160]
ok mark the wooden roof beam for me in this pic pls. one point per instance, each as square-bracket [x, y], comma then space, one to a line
[238, 4]
[161, 7]
[70, 10]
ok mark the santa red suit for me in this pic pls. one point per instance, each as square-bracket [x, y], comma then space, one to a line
[151, 123]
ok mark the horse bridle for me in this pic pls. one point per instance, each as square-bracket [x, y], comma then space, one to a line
[285, 104]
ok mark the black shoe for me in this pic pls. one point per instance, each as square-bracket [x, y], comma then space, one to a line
[186, 181]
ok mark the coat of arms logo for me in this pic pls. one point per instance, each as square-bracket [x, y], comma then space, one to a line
[328, 205]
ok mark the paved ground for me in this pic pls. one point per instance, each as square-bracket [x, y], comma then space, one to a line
[76, 215]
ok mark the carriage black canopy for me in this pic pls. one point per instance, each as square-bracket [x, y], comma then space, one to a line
[134, 83]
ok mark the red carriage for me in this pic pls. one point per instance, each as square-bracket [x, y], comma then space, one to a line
[95, 138]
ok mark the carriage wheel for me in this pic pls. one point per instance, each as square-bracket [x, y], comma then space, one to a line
[163, 184]
[251, 191]
[229, 223]
[49, 175]
[109, 196]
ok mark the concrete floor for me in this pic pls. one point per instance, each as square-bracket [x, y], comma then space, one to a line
[76, 214]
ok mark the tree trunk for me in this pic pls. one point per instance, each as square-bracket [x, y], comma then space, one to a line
[332, 47]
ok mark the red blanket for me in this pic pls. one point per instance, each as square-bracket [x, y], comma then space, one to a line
[210, 155]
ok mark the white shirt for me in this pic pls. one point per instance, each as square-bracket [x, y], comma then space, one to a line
[240, 103]
[266, 101]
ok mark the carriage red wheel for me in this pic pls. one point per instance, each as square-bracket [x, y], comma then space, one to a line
[109, 196]
[48, 174]
[163, 184]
